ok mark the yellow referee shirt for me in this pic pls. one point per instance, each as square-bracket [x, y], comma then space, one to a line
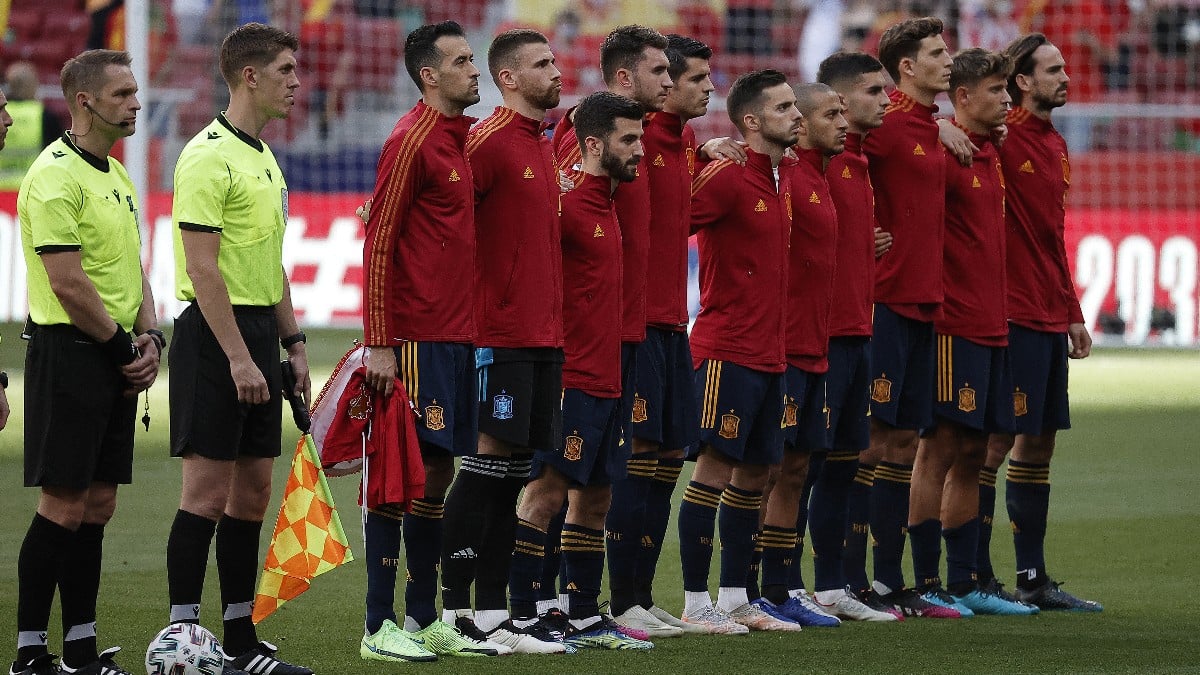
[71, 200]
[229, 183]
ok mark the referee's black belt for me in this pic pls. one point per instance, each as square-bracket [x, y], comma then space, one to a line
[246, 309]
[69, 330]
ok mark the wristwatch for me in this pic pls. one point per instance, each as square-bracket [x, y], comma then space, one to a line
[3, 380]
[293, 339]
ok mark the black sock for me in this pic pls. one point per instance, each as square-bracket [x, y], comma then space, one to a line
[78, 588]
[583, 552]
[237, 568]
[422, 543]
[858, 509]
[654, 528]
[778, 557]
[623, 527]
[187, 561]
[525, 573]
[499, 532]
[37, 574]
[467, 504]
[383, 529]
[551, 565]
[987, 511]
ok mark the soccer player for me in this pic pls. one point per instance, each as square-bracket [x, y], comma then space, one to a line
[418, 304]
[83, 369]
[663, 417]
[230, 212]
[742, 214]
[907, 166]
[6, 121]
[608, 128]
[518, 312]
[973, 397]
[840, 497]
[1045, 325]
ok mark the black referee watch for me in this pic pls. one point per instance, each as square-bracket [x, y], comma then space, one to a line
[290, 340]
[3, 380]
[160, 340]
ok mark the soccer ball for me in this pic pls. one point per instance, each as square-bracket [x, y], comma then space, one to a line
[184, 649]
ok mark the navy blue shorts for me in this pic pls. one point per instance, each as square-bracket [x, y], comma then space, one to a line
[664, 395]
[1038, 361]
[902, 370]
[741, 412]
[592, 450]
[440, 379]
[973, 385]
[805, 422]
[848, 393]
[629, 351]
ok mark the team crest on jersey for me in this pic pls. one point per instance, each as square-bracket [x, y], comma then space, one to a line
[639, 409]
[881, 391]
[760, 207]
[791, 413]
[454, 178]
[966, 399]
[360, 407]
[502, 407]
[598, 232]
[1027, 167]
[573, 451]
[846, 172]
[659, 161]
[435, 419]
[814, 198]
[729, 425]
[528, 173]
[1020, 404]
[919, 151]
[975, 182]
[690, 154]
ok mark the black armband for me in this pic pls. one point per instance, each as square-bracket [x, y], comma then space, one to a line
[120, 348]
[290, 340]
[160, 340]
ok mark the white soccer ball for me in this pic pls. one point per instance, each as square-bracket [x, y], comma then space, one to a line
[184, 649]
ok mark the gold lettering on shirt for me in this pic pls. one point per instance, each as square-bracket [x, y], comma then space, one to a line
[814, 198]
[454, 176]
[599, 232]
[919, 151]
[658, 161]
[1027, 167]
[760, 207]
[528, 173]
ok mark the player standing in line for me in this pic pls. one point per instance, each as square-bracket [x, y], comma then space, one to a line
[608, 128]
[83, 370]
[418, 304]
[907, 166]
[6, 121]
[972, 397]
[1045, 323]
[230, 211]
[518, 313]
[742, 214]
[813, 250]
[840, 497]
[663, 417]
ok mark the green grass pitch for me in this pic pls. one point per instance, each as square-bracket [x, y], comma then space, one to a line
[1123, 531]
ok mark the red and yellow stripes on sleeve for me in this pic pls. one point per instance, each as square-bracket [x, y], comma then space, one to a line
[385, 224]
[708, 173]
[490, 126]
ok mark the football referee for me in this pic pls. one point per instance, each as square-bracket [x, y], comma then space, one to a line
[6, 121]
[83, 369]
[230, 211]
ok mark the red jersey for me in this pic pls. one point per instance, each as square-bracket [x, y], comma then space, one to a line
[974, 307]
[591, 243]
[670, 162]
[1041, 292]
[419, 253]
[812, 265]
[743, 225]
[854, 278]
[633, 212]
[518, 272]
[907, 164]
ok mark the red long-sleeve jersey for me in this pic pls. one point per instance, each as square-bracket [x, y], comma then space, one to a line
[419, 253]
[1041, 292]
[854, 278]
[743, 224]
[518, 269]
[812, 265]
[670, 162]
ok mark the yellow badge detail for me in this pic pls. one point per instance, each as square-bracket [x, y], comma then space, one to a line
[434, 417]
[658, 160]
[790, 414]
[729, 425]
[760, 207]
[1020, 404]
[599, 232]
[1027, 167]
[814, 198]
[919, 151]
[690, 153]
[846, 172]
[881, 391]
[639, 409]
[966, 399]
[975, 182]
[528, 172]
[573, 451]
[787, 202]
[454, 176]
[647, 541]
[572, 587]
[1066, 167]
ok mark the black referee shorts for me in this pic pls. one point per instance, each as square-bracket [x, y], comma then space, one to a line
[206, 417]
[78, 425]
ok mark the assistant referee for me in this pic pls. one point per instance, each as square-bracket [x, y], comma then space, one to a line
[87, 291]
[230, 212]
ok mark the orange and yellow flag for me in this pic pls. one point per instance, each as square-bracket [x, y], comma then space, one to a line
[308, 540]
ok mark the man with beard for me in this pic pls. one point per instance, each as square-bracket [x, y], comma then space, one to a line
[418, 305]
[518, 313]
[1045, 325]
[608, 129]
[742, 217]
